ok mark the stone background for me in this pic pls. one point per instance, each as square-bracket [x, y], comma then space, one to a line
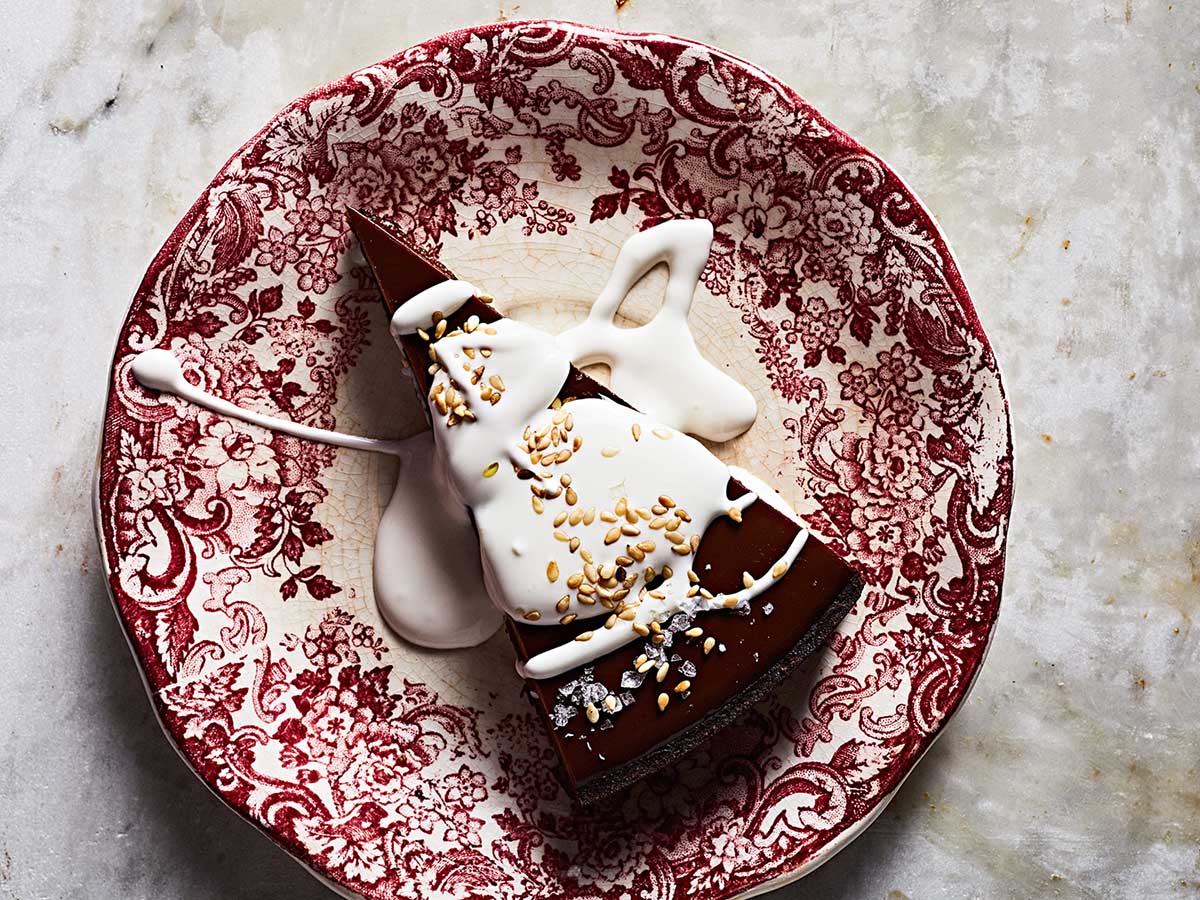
[1059, 143]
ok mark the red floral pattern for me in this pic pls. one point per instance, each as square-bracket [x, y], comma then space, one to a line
[213, 531]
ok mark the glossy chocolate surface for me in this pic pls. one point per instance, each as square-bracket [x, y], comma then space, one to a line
[758, 649]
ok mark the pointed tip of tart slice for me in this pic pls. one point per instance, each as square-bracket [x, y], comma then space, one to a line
[399, 268]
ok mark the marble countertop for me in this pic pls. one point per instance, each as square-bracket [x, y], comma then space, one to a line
[1058, 143]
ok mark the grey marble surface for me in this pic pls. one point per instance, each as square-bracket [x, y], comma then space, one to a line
[1073, 771]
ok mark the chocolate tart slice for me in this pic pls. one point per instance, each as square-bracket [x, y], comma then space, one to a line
[637, 708]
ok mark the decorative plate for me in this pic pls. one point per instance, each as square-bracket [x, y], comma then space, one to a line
[523, 154]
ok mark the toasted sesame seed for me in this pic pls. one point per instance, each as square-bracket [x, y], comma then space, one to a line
[747, 580]
[637, 431]
[628, 614]
[645, 665]
[593, 714]
[574, 544]
[683, 514]
[533, 615]
[576, 515]
[779, 569]
[496, 381]
[569, 421]
[622, 505]
[552, 571]
[564, 603]
[574, 580]
[657, 638]
[658, 595]
[706, 593]
[667, 572]
[560, 518]
[572, 496]
[695, 542]
[642, 630]
[470, 351]
[610, 703]
[663, 700]
[538, 506]
[423, 334]
[731, 602]
[646, 546]
[658, 523]
[694, 632]
[490, 330]
[666, 501]
[606, 516]
[576, 444]
[623, 561]
[674, 524]
[661, 674]
[568, 619]
[709, 643]
[484, 298]
[562, 456]
[583, 636]
[491, 470]
[485, 352]
[610, 621]
[587, 556]
[613, 535]
[674, 537]
[563, 538]
[658, 509]
[683, 686]
[655, 626]
[471, 324]
[630, 530]
[609, 452]
[440, 330]
[693, 578]
[735, 514]
[661, 433]
[607, 572]
[590, 516]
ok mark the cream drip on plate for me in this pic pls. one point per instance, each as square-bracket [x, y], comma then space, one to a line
[663, 351]
[621, 490]
[422, 549]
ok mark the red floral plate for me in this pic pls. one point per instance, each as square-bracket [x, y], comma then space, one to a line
[524, 154]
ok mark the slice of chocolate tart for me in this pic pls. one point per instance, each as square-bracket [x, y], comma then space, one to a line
[670, 623]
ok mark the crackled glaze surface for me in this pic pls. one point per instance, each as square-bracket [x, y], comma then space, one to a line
[240, 560]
